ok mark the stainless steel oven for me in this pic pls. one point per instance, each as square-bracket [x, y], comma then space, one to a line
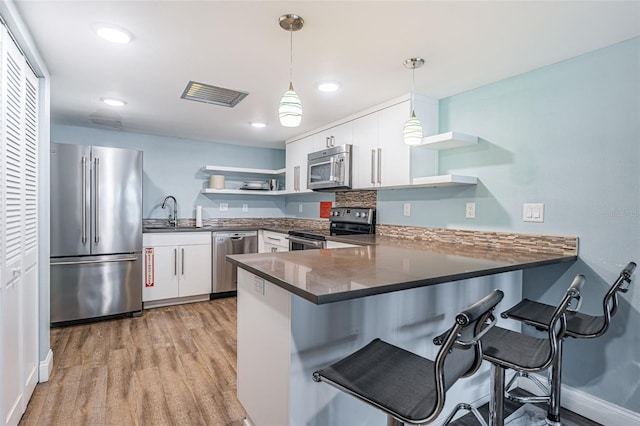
[329, 169]
[342, 221]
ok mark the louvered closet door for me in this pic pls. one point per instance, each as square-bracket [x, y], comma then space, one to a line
[18, 231]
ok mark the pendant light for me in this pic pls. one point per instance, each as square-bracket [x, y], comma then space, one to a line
[413, 128]
[290, 108]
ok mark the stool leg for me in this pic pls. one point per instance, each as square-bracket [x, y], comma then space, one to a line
[392, 421]
[553, 412]
[496, 400]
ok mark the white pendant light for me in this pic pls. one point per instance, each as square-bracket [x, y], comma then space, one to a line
[290, 108]
[413, 128]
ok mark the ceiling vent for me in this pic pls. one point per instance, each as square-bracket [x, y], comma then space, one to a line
[212, 95]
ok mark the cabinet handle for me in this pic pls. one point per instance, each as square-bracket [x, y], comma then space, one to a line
[327, 142]
[274, 249]
[380, 165]
[333, 141]
[175, 261]
[182, 260]
[274, 239]
[373, 167]
[296, 178]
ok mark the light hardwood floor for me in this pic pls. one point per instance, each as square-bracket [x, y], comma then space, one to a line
[173, 366]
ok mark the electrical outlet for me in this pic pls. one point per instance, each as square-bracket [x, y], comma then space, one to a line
[407, 209]
[224, 207]
[533, 212]
[470, 211]
[299, 208]
[245, 208]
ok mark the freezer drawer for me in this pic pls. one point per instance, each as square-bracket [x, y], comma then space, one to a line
[95, 286]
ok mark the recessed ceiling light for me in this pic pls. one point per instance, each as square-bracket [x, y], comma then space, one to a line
[113, 34]
[328, 86]
[113, 102]
[258, 124]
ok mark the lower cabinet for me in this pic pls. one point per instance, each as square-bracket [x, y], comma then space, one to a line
[176, 265]
[270, 241]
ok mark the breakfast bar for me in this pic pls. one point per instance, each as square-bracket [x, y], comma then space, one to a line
[300, 311]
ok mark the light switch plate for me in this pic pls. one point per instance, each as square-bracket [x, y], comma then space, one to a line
[245, 207]
[533, 212]
[224, 207]
[407, 209]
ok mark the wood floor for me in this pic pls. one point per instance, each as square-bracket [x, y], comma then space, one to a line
[173, 366]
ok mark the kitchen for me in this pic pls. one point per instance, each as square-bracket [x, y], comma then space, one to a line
[573, 117]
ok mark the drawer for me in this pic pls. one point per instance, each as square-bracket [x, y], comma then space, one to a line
[276, 239]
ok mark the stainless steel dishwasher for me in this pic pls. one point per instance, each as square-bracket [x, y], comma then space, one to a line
[225, 276]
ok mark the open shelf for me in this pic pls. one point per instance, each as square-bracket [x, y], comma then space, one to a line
[448, 140]
[444, 180]
[241, 192]
[243, 170]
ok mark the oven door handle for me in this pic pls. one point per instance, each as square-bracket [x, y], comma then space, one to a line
[315, 243]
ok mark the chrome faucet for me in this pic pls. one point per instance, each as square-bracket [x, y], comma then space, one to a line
[172, 220]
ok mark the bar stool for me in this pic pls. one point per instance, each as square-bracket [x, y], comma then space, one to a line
[579, 325]
[407, 387]
[506, 349]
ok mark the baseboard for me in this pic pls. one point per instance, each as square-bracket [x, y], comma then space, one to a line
[45, 368]
[587, 405]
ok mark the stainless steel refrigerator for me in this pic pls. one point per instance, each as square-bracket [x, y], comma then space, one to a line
[96, 232]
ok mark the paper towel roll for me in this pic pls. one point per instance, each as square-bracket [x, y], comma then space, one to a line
[198, 216]
[216, 182]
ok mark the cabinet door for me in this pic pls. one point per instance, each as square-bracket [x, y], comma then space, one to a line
[161, 269]
[296, 153]
[272, 248]
[195, 269]
[335, 136]
[394, 156]
[365, 151]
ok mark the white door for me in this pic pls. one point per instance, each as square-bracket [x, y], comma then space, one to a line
[195, 269]
[364, 152]
[394, 156]
[161, 280]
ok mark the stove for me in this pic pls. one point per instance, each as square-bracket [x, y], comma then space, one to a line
[342, 221]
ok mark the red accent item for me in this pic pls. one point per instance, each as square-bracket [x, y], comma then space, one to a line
[325, 209]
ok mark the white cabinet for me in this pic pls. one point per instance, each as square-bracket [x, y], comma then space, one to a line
[338, 135]
[270, 241]
[19, 316]
[176, 265]
[296, 161]
[364, 153]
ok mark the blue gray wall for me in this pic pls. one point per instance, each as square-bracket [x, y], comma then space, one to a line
[173, 166]
[568, 136]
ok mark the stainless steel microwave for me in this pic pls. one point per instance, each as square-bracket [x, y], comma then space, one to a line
[329, 169]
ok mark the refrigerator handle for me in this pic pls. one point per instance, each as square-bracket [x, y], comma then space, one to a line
[83, 201]
[96, 197]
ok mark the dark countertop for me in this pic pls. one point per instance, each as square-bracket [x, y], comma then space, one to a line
[386, 264]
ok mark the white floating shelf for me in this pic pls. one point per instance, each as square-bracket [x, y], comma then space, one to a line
[448, 140]
[444, 180]
[244, 170]
[240, 192]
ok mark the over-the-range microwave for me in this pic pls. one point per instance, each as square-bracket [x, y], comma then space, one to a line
[329, 169]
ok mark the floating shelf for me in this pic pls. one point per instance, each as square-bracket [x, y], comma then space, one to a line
[244, 170]
[444, 180]
[241, 192]
[448, 140]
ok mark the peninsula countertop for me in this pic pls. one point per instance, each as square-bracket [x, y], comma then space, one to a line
[383, 265]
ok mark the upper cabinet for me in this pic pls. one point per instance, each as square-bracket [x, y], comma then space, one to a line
[296, 164]
[339, 135]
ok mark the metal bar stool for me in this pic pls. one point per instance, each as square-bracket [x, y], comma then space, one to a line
[579, 325]
[506, 349]
[407, 387]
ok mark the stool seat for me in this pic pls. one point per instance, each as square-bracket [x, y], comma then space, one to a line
[539, 315]
[511, 349]
[389, 377]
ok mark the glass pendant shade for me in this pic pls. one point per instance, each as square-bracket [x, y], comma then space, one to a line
[290, 109]
[413, 130]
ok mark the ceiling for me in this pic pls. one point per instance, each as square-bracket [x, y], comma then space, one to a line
[239, 45]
